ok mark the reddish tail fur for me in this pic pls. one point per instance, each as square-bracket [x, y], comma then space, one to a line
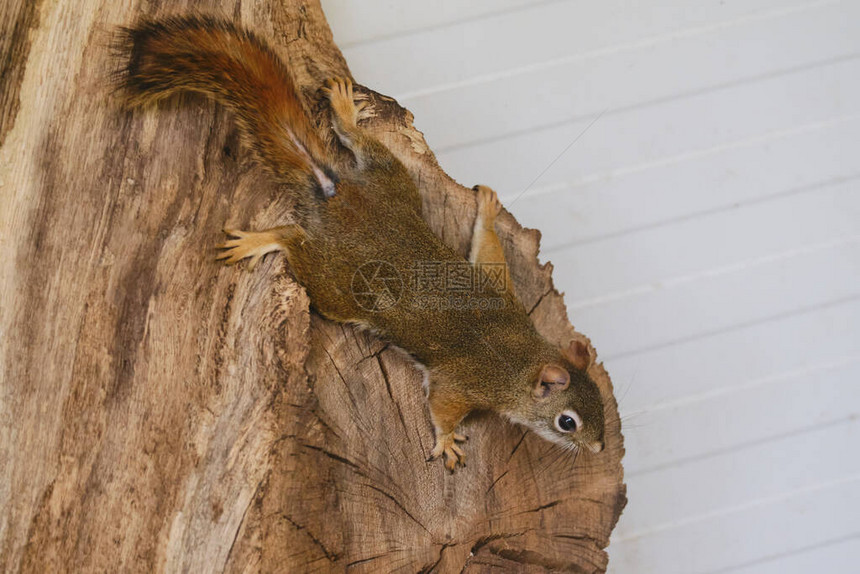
[234, 67]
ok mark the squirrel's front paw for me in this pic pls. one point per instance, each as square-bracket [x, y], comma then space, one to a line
[489, 205]
[446, 444]
[249, 244]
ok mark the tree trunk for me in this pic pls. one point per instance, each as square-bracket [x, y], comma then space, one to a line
[161, 412]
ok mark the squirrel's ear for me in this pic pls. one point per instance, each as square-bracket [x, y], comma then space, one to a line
[552, 379]
[578, 355]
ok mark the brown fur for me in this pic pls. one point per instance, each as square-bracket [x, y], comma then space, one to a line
[215, 58]
[489, 359]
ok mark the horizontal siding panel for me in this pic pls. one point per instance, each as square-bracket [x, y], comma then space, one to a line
[778, 406]
[800, 163]
[379, 20]
[659, 258]
[733, 359]
[833, 557]
[741, 476]
[748, 53]
[667, 133]
[774, 525]
[722, 302]
[432, 60]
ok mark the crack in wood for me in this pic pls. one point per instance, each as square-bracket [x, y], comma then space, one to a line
[517, 446]
[254, 498]
[583, 537]
[331, 556]
[363, 561]
[496, 481]
[336, 457]
[540, 300]
[384, 373]
[398, 504]
[430, 567]
[542, 507]
[485, 540]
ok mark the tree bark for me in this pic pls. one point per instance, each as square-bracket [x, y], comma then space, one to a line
[160, 412]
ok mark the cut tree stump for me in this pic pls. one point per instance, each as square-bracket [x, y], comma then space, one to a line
[161, 412]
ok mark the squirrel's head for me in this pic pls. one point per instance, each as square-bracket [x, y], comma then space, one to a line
[566, 407]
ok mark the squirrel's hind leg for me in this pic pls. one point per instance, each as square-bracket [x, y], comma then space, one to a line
[256, 244]
[486, 247]
[370, 154]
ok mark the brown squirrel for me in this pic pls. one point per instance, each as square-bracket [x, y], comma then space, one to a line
[358, 231]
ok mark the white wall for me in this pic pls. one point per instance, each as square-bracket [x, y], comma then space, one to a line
[705, 229]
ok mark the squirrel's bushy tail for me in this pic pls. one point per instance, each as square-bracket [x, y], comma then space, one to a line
[233, 66]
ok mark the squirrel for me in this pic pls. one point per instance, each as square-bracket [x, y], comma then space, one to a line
[359, 230]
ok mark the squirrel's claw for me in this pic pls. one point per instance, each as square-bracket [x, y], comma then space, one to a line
[342, 99]
[248, 244]
[364, 109]
[229, 232]
[488, 201]
[446, 446]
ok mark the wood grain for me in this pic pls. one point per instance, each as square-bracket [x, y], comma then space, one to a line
[161, 412]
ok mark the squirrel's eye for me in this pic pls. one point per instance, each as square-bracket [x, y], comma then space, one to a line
[568, 421]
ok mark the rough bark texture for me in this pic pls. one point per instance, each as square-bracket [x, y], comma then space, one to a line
[161, 412]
